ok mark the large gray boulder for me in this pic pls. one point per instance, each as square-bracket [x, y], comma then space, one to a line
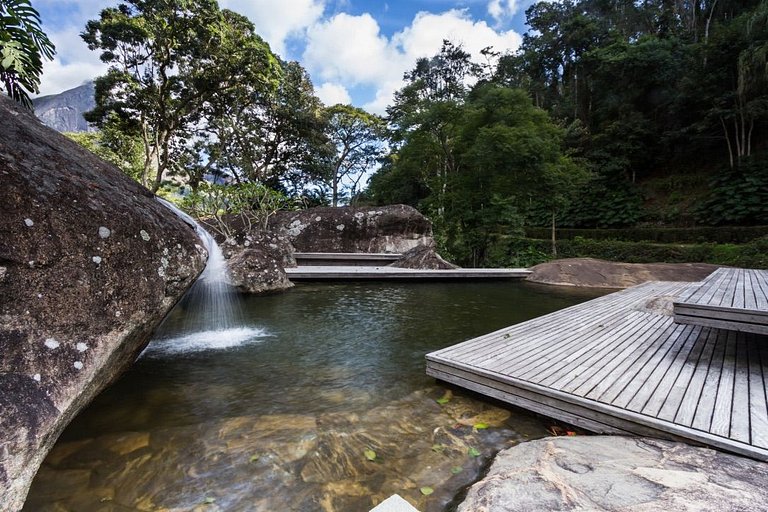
[90, 263]
[381, 229]
[256, 261]
[612, 473]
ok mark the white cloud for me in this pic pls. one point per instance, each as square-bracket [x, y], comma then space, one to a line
[501, 10]
[73, 64]
[278, 21]
[333, 94]
[352, 51]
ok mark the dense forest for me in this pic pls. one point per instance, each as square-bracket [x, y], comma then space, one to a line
[611, 114]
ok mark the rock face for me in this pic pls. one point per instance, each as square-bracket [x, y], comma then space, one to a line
[594, 273]
[423, 257]
[90, 263]
[603, 473]
[388, 229]
[257, 262]
[64, 111]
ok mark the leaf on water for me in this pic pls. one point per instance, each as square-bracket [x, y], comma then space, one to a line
[426, 491]
[255, 458]
[208, 500]
[370, 455]
[445, 398]
[480, 426]
[456, 470]
[473, 452]
[438, 448]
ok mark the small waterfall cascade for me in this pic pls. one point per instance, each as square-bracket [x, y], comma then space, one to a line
[210, 316]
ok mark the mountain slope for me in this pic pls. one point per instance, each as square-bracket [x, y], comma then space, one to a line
[64, 111]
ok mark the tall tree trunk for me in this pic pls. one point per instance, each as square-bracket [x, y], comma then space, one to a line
[727, 141]
[554, 240]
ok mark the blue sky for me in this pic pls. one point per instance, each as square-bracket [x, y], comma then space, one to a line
[356, 51]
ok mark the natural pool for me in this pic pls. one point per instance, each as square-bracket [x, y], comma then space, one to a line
[319, 403]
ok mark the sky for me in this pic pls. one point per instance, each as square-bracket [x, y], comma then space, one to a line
[356, 51]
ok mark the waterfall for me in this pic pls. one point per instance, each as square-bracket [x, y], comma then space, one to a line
[210, 316]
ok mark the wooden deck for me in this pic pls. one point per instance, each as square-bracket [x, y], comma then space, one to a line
[340, 273]
[729, 298]
[345, 258]
[620, 364]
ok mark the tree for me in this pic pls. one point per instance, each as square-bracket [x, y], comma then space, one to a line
[110, 144]
[23, 46]
[357, 141]
[268, 135]
[168, 59]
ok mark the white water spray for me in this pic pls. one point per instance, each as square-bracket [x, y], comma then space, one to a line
[212, 316]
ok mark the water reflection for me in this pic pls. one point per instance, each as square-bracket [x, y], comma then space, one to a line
[276, 415]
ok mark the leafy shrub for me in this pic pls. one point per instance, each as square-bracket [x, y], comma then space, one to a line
[252, 203]
[723, 235]
[738, 196]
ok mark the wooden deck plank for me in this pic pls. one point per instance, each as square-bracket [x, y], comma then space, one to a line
[721, 417]
[740, 428]
[600, 363]
[623, 388]
[674, 399]
[758, 394]
[686, 411]
[617, 363]
[533, 337]
[727, 298]
[342, 272]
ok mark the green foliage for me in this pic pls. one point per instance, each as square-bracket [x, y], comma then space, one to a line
[124, 151]
[750, 255]
[605, 203]
[252, 203]
[737, 196]
[663, 235]
[23, 46]
[355, 138]
[171, 63]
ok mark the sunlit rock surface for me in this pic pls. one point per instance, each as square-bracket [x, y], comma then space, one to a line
[425, 451]
[609, 473]
[90, 263]
[389, 229]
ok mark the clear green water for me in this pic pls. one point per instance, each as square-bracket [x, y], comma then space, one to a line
[310, 345]
[279, 413]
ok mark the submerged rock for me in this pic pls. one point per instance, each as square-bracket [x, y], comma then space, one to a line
[603, 473]
[91, 263]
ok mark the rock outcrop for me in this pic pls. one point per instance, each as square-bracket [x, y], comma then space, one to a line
[383, 229]
[90, 263]
[594, 273]
[423, 257]
[64, 111]
[257, 260]
[602, 473]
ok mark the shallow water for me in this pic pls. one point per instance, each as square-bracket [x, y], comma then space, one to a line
[277, 414]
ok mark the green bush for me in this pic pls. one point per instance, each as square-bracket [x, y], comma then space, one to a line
[528, 251]
[722, 235]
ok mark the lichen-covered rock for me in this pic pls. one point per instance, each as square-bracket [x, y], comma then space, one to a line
[423, 257]
[382, 229]
[90, 263]
[602, 473]
[256, 261]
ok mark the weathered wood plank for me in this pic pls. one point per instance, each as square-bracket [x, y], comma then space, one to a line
[619, 363]
[690, 400]
[758, 394]
[721, 417]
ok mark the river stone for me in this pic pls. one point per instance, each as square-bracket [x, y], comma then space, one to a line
[608, 473]
[256, 260]
[381, 229]
[68, 327]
